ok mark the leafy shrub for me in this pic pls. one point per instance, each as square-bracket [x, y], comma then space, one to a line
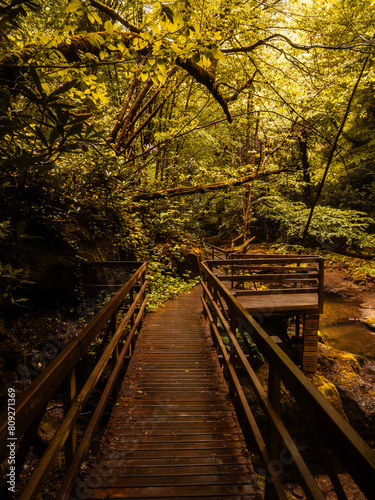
[163, 284]
[330, 228]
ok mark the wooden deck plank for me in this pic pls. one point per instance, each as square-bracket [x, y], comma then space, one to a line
[173, 432]
[279, 303]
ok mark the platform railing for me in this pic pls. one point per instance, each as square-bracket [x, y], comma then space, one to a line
[289, 274]
[213, 252]
[330, 431]
[116, 324]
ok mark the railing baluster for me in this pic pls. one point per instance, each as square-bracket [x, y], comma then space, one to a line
[69, 395]
[273, 441]
[132, 297]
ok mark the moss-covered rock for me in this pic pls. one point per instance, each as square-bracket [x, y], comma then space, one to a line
[354, 379]
[329, 391]
[368, 319]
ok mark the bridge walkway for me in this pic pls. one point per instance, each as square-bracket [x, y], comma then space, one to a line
[173, 433]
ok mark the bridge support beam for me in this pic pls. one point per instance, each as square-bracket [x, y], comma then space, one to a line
[310, 342]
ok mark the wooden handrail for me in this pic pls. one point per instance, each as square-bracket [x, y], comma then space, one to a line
[353, 452]
[112, 263]
[270, 259]
[32, 402]
[268, 256]
[213, 250]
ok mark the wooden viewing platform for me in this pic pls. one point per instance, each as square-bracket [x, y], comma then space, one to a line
[173, 432]
[279, 286]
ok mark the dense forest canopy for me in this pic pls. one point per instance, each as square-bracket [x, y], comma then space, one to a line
[217, 117]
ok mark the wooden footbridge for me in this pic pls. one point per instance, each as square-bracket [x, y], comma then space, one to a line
[190, 418]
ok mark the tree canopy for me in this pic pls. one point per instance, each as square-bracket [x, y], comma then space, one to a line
[223, 113]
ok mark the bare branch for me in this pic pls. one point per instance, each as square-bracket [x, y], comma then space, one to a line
[243, 87]
[263, 41]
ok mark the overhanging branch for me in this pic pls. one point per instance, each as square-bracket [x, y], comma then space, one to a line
[264, 41]
[13, 66]
[204, 188]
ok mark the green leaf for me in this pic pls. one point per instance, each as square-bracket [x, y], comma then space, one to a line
[168, 12]
[75, 129]
[62, 90]
[108, 26]
[218, 54]
[140, 43]
[55, 135]
[81, 118]
[93, 17]
[42, 137]
[36, 80]
[74, 6]
[42, 169]
[29, 93]
[97, 17]
[160, 63]
[90, 17]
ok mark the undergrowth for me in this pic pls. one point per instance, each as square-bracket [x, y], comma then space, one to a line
[164, 284]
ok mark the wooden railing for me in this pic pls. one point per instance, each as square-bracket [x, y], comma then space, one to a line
[111, 274]
[290, 274]
[330, 431]
[117, 324]
[213, 252]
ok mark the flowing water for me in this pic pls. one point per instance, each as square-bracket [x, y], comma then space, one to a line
[341, 328]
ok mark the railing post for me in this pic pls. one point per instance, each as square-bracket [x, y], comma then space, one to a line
[131, 298]
[113, 324]
[112, 330]
[321, 285]
[69, 394]
[132, 346]
[215, 297]
[297, 327]
[310, 342]
[273, 442]
[232, 356]
[205, 297]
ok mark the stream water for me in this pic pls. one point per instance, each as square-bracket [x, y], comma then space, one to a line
[341, 328]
